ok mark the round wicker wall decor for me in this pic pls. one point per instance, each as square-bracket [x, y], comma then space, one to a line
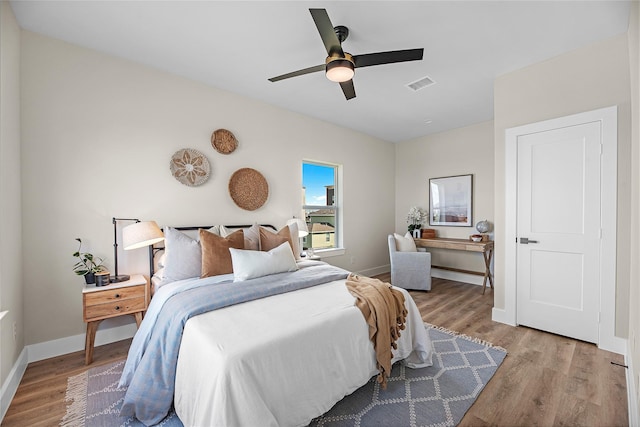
[248, 189]
[190, 167]
[224, 141]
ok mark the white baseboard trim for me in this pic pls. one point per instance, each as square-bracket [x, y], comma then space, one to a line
[457, 277]
[632, 393]
[369, 272]
[10, 385]
[613, 344]
[500, 315]
[45, 350]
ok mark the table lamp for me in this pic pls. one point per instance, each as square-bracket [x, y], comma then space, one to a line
[141, 234]
[134, 236]
[302, 229]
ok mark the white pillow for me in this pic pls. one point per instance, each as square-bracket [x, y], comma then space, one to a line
[252, 264]
[162, 260]
[251, 236]
[405, 243]
[183, 256]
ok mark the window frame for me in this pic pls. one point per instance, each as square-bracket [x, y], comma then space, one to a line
[338, 248]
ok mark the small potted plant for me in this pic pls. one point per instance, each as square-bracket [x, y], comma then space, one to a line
[87, 265]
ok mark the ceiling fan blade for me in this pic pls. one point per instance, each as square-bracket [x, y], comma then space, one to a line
[348, 89]
[390, 57]
[327, 33]
[298, 73]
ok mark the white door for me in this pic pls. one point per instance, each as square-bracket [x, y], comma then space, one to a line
[558, 230]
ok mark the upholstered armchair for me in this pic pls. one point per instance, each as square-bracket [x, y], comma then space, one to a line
[410, 269]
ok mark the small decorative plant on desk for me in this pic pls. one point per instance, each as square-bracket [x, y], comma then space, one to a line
[87, 265]
[415, 218]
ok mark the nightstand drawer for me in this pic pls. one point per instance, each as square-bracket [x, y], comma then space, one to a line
[114, 308]
[113, 295]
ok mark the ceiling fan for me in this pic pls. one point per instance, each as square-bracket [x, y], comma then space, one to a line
[340, 66]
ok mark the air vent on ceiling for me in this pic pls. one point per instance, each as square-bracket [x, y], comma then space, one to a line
[421, 83]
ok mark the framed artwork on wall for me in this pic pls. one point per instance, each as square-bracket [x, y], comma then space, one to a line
[450, 201]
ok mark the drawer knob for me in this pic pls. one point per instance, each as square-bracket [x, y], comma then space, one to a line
[117, 307]
[117, 295]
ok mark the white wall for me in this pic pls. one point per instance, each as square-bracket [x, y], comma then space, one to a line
[11, 297]
[633, 356]
[467, 150]
[586, 79]
[97, 135]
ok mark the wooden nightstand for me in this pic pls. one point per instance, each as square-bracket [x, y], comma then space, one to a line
[115, 299]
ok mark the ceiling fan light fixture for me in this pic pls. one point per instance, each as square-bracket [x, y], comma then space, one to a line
[340, 70]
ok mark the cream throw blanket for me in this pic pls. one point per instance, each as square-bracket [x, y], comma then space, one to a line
[384, 311]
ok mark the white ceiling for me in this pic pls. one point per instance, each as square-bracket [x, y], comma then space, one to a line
[237, 45]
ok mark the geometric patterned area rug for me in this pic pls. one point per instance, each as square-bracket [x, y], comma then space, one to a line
[438, 395]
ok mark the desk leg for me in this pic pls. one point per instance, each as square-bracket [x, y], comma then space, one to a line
[90, 338]
[487, 270]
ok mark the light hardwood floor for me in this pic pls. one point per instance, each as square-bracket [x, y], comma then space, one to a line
[546, 380]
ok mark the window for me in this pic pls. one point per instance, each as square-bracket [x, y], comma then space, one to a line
[320, 191]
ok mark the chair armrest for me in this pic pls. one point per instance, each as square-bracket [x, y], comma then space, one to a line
[410, 259]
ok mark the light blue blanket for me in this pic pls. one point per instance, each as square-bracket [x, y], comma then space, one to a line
[151, 365]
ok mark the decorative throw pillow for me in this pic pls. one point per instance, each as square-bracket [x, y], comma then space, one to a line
[216, 258]
[251, 236]
[252, 264]
[405, 243]
[183, 256]
[270, 240]
[162, 260]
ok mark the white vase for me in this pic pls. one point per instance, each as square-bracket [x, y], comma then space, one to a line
[417, 233]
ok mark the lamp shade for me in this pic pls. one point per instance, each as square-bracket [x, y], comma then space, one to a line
[302, 226]
[141, 234]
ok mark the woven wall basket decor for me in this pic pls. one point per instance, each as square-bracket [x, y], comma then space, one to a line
[248, 189]
[190, 167]
[224, 141]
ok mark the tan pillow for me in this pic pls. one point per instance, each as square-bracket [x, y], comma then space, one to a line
[216, 258]
[270, 240]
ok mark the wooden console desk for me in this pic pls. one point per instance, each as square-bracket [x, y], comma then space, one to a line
[486, 248]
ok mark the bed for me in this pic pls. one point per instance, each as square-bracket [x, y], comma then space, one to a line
[274, 350]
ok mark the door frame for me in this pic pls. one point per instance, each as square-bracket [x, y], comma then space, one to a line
[608, 117]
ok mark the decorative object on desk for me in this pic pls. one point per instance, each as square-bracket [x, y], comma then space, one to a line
[483, 226]
[248, 189]
[190, 167]
[415, 218]
[87, 265]
[476, 237]
[428, 233]
[223, 141]
[102, 278]
[450, 201]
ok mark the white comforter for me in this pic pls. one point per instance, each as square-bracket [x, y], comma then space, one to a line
[282, 360]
